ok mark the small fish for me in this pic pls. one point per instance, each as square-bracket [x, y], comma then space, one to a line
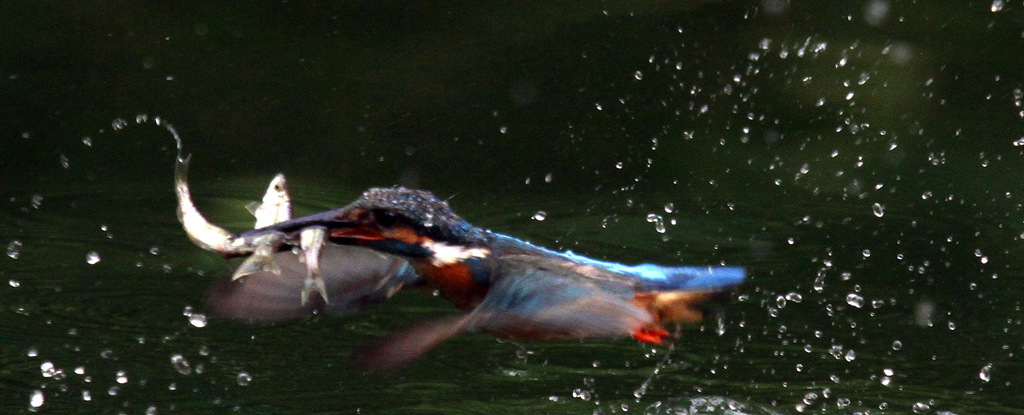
[203, 233]
[312, 241]
[276, 207]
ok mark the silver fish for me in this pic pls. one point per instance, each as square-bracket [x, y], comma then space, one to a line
[312, 241]
[260, 249]
[276, 207]
[203, 233]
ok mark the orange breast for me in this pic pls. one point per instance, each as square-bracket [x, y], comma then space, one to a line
[454, 282]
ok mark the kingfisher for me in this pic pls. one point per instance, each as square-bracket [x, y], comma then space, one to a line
[505, 286]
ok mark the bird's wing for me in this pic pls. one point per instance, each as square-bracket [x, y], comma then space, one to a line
[355, 278]
[528, 299]
[531, 297]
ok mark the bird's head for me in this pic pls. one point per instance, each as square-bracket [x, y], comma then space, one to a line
[405, 222]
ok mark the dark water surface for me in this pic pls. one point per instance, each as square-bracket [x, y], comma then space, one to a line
[863, 159]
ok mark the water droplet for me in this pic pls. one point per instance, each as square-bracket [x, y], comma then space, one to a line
[33, 352]
[503, 129]
[122, 377]
[659, 223]
[86, 396]
[14, 283]
[855, 300]
[997, 5]
[896, 345]
[154, 250]
[878, 209]
[92, 258]
[921, 407]
[37, 201]
[794, 297]
[47, 369]
[850, 355]
[638, 75]
[819, 283]
[180, 364]
[670, 207]
[37, 399]
[64, 162]
[197, 320]
[548, 177]
[14, 249]
[87, 141]
[243, 379]
[866, 253]
[986, 373]
[540, 215]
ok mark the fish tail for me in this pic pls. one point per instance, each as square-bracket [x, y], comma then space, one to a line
[256, 263]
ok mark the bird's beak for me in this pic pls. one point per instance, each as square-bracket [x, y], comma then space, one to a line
[346, 224]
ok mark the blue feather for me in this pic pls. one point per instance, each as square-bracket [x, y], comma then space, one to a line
[657, 277]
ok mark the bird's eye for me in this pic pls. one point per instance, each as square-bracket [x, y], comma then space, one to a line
[384, 218]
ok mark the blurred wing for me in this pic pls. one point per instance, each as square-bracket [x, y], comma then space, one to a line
[527, 300]
[531, 299]
[355, 278]
[407, 346]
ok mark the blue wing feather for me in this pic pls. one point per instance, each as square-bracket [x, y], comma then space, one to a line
[644, 277]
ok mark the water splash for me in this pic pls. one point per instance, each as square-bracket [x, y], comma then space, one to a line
[243, 379]
[180, 364]
[878, 209]
[37, 399]
[986, 373]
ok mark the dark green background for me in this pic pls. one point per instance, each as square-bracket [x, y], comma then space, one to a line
[762, 133]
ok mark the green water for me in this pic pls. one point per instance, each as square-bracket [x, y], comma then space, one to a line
[860, 158]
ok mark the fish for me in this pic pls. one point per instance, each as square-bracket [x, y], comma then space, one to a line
[260, 250]
[312, 241]
[276, 205]
[275, 208]
[202, 233]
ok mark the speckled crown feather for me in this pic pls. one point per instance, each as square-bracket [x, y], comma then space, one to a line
[420, 209]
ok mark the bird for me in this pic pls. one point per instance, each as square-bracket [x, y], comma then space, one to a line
[505, 286]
